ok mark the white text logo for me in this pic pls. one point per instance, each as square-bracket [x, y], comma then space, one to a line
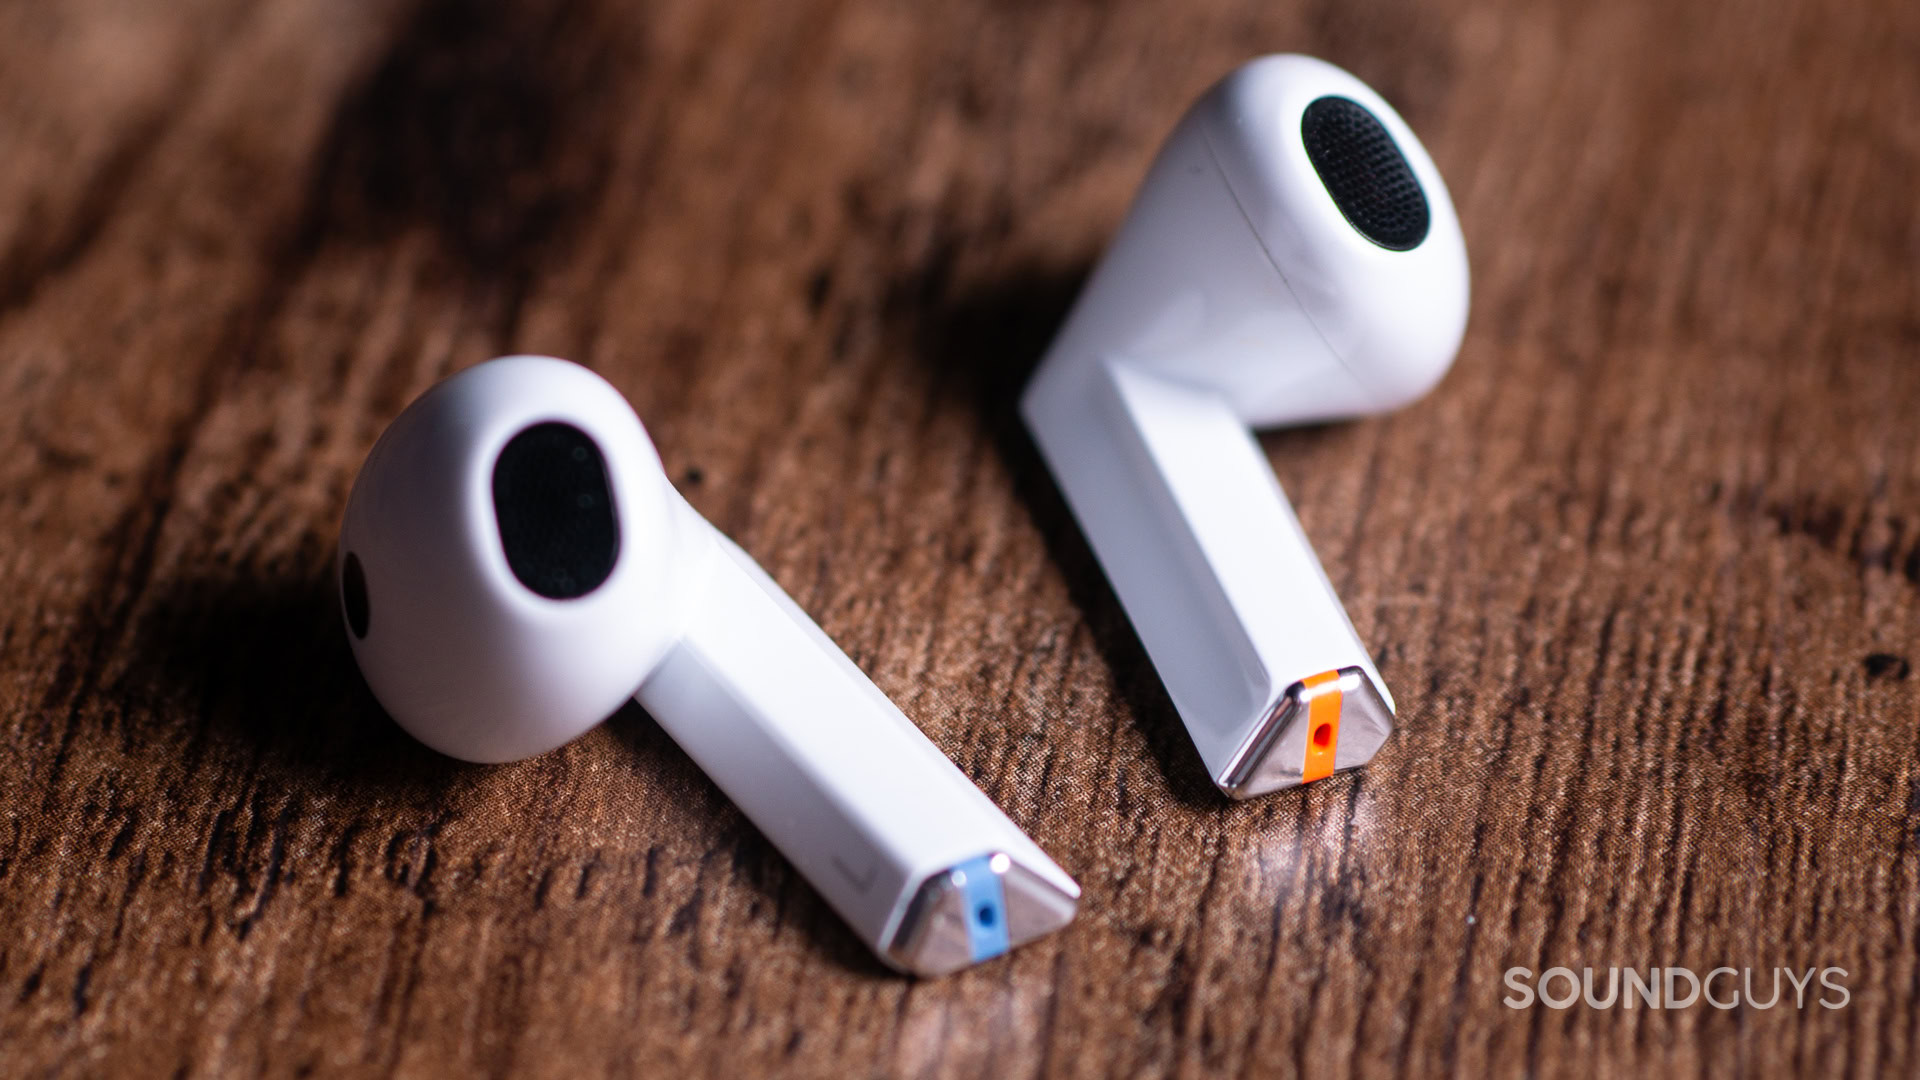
[1675, 988]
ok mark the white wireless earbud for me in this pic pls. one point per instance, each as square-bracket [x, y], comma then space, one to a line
[1293, 256]
[514, 565]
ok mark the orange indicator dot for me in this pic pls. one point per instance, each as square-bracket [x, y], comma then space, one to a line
[1323, 712]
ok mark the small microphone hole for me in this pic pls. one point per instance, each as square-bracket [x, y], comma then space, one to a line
[353, 595]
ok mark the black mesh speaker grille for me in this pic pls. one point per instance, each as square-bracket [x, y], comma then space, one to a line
[1365, 172]
[555, 511]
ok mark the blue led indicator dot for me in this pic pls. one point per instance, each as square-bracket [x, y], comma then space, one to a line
[981, 889]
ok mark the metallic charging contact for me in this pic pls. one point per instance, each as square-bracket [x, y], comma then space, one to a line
[1322, 724]
[974, 911]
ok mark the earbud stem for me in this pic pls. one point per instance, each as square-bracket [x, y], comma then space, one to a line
[1190, 524]
[922, 864]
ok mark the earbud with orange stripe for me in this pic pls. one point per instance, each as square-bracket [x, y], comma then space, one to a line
[1292, 257]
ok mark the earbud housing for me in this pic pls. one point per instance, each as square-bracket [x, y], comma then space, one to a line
[463, 654]
[1293, 256]
[514, 565]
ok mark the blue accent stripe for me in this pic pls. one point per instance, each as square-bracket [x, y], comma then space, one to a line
[986, 908]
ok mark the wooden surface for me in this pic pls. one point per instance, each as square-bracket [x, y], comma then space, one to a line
[1644, 571]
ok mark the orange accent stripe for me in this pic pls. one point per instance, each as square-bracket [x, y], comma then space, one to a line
[1323, 724]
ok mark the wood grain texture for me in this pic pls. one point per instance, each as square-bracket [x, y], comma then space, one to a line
[1644, 571]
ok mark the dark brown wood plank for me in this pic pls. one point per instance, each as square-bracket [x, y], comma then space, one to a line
[1644, 571]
